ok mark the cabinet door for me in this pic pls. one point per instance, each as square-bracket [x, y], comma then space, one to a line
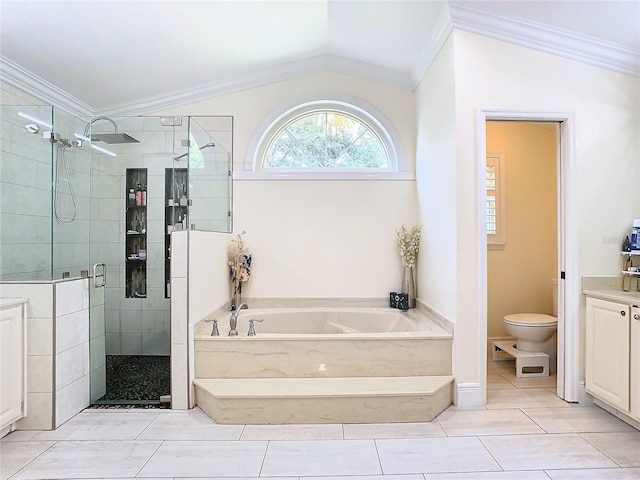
[11, 365]
[634, 395]
[607, 352]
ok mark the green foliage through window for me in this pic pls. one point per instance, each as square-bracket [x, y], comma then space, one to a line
[325, 140]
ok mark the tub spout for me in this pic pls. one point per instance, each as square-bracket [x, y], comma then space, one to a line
[233, 321]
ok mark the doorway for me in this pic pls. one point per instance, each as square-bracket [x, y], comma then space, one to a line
[567, 264]
[522, 241]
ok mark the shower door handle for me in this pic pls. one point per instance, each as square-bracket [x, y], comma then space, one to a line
[102, 275]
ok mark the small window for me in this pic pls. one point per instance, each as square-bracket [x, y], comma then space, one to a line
[326, 139]
[495, 201]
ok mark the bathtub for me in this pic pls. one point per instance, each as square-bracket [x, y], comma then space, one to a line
[324, 342]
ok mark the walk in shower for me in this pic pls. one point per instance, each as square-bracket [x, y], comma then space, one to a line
[99, 197]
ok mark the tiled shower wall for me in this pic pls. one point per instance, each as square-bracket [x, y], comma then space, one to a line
[25, 204]
[33, 245]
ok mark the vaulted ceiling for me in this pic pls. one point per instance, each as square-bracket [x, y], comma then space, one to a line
[124, 57]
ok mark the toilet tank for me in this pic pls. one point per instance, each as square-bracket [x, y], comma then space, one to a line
[554, 296]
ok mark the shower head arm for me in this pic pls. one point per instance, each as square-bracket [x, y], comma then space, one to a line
[86, 129]
[208, 145]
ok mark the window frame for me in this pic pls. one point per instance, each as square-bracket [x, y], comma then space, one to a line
[498, 240]
[356, 108]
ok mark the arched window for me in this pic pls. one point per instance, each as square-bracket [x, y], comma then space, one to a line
[326, 139]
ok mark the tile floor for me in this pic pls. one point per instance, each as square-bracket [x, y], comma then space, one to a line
[524, 433]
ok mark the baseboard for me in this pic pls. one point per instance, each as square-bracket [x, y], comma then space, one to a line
[613, 411]
[468, 395]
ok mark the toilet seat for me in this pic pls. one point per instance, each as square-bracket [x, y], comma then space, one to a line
[531, 320]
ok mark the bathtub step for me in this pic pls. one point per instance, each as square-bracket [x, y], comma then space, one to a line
[324, 400]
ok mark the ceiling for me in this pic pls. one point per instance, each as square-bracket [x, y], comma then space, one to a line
[130, 56]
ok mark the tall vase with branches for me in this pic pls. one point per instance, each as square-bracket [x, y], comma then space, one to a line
[239, 268]
[409, 246]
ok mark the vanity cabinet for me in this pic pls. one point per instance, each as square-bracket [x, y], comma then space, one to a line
[13, 375]
[612, 370]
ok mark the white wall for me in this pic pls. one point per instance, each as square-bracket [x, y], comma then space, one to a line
[436, 183]
[319, 238]
[495, 75]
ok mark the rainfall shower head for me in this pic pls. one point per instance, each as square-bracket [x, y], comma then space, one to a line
[111, 138]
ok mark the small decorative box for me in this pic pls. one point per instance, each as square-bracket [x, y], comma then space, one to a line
[399, 300]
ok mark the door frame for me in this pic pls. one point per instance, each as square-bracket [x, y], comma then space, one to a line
[569, 291]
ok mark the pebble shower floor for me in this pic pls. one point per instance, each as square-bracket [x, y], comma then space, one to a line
[136, 381]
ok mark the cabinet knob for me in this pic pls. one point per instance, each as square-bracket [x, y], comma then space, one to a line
[636, 316]
[623, 313]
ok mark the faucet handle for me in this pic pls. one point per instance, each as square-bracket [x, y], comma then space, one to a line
[214, 330]
[252, 329]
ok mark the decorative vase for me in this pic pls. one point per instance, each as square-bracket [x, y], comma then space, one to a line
[409, 285]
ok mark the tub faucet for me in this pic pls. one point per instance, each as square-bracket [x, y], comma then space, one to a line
[233, 321]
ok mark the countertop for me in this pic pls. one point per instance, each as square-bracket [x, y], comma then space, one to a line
[629, 298]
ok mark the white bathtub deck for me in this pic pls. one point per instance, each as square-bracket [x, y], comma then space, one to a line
[324, 400]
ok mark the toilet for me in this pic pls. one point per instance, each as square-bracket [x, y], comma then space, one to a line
[536, 341]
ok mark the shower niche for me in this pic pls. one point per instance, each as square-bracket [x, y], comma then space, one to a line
[136, 233]
[176, 192]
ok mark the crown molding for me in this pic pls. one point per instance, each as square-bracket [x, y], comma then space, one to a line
[258, 78]
[30, 83]
[545, 38]
[451, 16]
[441, 31]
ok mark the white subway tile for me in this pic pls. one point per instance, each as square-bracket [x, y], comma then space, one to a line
[39, 412]
[179, 384]
[69, 366]
[72, 399]
[97, 352]
[39, 373]
[70, 296]
[131, 321]
[72, 330]
[98, 383]
[39, 336]
[96, 321]
[131, 343]
[112, 343]
[179, 310]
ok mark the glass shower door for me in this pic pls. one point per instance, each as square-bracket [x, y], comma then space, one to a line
[127, 235]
